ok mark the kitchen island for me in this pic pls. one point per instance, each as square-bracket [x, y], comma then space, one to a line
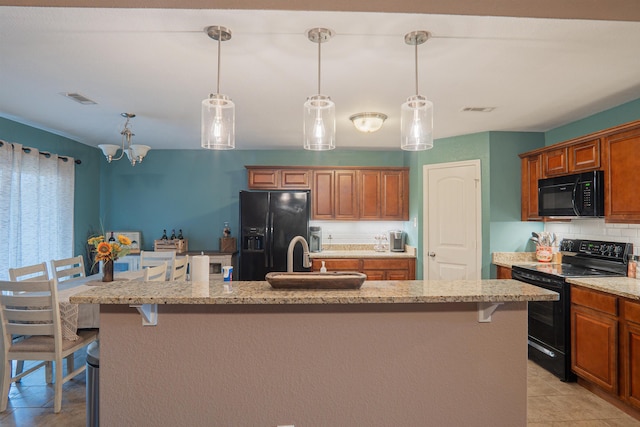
[411, 353]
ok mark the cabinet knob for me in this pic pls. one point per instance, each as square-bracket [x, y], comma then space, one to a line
[432, 254]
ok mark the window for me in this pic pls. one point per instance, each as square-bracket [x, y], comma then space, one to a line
[36, 207]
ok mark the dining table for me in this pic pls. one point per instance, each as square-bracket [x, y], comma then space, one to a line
[84, 316]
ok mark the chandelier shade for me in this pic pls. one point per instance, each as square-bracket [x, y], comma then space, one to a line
[218, 122]
[319, 123]
[416, 115]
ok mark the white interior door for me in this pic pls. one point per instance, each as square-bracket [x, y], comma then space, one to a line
[453, 232]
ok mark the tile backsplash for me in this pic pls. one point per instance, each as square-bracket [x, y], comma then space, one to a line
[596, 229]
[354, 232]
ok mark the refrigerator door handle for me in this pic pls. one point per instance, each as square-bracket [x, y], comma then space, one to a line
[271, 241]
[267, 242]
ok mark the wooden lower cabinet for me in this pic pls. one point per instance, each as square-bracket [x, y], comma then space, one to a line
[503, 272]
[605, 345]
[374, 268]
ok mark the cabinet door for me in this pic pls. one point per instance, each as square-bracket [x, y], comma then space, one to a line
[394, 197]
[503, 272]
[621, 163]
[346, 200]
[322, 195]
[554, 162]
[631, 363]
[397, 275]
[584, 156]
[370, 192]
[295, 179]
[531, 172]
[594, 344]
[263, 179]
[374, 274]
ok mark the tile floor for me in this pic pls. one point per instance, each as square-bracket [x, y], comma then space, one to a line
[551, 403]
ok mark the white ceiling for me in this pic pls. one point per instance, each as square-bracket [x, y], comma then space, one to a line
[160, 65]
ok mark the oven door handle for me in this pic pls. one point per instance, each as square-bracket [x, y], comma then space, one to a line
[542, 349]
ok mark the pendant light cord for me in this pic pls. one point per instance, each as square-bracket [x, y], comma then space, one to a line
[218, 88]
[319, 59]
[416, 58]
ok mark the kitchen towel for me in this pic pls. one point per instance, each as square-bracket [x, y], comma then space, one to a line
[200, 269]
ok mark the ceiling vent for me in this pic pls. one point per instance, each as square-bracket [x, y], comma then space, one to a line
[78, 98]
[478, 109]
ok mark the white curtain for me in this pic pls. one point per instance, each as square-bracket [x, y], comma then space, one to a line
[36, 207]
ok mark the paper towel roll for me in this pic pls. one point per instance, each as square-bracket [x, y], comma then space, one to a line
[200, 268]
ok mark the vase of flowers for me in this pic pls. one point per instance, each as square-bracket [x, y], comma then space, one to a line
[108, 252]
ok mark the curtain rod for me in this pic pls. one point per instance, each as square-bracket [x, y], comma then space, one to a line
[44, 153]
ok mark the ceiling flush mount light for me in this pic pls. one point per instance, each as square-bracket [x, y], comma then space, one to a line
[368, 122]
[135, 152]
[218, 126]
[319, 111]
[416, 115]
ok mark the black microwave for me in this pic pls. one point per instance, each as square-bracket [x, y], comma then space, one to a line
[572, 195]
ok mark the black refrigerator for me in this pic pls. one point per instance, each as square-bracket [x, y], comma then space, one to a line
[268, 222]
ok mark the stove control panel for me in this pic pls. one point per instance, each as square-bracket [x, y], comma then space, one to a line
[596, 248]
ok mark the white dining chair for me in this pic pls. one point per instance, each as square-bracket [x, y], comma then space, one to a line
[67, 269]
[32, 273]
[31, 309]
[156, 273]
[179, 270]
[154, 258]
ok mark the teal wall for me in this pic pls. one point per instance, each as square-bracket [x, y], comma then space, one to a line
[621, 114]
[197, 190]
[87, 176]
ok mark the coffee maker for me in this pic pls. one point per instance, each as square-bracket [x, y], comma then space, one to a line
[315, 239]
[396, 240]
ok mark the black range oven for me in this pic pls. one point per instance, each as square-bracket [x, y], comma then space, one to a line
[550, 321]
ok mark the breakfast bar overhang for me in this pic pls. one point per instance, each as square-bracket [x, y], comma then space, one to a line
[412, 353]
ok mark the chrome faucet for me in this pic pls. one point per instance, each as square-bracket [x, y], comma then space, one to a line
[306, 262]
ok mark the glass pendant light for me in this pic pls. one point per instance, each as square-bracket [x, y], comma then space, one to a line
[319, 126]
[218, 126]
[416, 115]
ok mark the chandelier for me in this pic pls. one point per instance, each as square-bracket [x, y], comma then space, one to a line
[135, 152]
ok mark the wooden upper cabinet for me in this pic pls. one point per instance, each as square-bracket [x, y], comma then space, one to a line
[370, 202]
[554, 162]
[299, 179]
[263, 178]
[322, 194]
[621, 163]
[346, 199]
[584, 156]
[278, 178]
[394, 195]
[531, 173]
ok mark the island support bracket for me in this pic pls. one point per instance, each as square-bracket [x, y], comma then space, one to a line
[149, 313]
[485, 310]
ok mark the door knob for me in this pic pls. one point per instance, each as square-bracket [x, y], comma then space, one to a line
[432, 254]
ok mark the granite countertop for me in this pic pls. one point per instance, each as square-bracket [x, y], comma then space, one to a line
[255, 292]
[508, 259]
[626, 287]
[360, 251]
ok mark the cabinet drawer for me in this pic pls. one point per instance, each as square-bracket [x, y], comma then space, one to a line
[595, 300]
[385, 264]
[632, 311]
[337, 264]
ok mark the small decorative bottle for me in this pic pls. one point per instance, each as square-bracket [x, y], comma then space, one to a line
[226, 231]
[180, 236]
[323, 269]
[173, 234]
[112, 239]
[164, 235]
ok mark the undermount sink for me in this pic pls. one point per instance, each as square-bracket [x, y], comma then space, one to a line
[316, 280]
